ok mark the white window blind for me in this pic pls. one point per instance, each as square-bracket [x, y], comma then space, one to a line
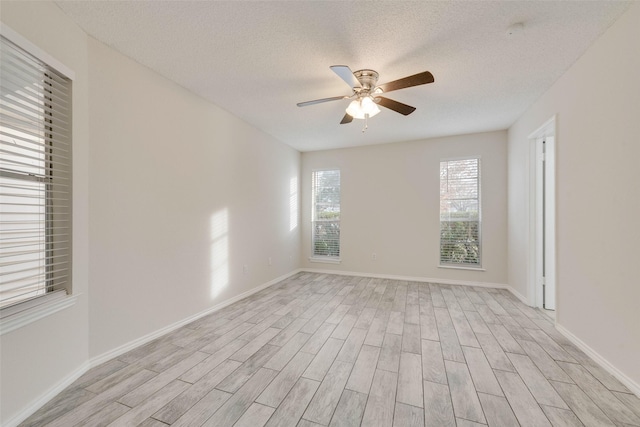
[460, 212]
[35, 177]
[326, 213]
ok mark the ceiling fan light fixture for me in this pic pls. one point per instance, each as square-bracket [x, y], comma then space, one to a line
[363, 107]
[365, 93]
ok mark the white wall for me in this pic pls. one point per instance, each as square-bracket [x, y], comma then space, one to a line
[172, 199]
[390, 206]
[164, 165]
[38, 357]
[183, 195]
[597, 102]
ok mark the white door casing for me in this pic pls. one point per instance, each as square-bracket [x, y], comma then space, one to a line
[542, 215]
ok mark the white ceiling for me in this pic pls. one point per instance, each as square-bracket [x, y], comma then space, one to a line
[258, 59]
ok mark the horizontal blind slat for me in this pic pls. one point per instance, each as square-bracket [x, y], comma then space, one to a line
[460, 212]
[35, 176]
[39, 80]
[34, 141]
[326, 213]
[21, 59]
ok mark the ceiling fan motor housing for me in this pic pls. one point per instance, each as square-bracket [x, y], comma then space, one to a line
[366, 92]
[367, 78]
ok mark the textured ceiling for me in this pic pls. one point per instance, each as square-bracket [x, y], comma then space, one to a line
[258, 59]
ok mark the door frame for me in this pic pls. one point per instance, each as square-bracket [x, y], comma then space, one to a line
[546, 132]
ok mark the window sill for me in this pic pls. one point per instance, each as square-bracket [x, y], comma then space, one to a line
[462, 267]
[14, 317]
[325, 260]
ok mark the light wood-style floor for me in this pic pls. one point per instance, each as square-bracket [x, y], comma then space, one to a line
[333, 350]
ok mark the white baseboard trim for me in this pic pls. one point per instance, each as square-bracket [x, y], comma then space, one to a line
[515, 293]
[633, 386]
[521, 297]
[408, 278]
[628, 382]
[69, 379]
[95, 361]
[47, 396]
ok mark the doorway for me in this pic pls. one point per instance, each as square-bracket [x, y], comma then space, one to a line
[543, 143]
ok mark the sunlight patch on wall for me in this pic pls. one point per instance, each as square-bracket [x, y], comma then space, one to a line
[293, 203]
[219, 252]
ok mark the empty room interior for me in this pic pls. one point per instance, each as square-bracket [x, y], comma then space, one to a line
[309, 213]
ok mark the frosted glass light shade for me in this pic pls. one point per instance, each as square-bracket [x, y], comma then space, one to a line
[369, 106]
[358, 108]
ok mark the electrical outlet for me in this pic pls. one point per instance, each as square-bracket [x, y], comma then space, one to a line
[245, 268]
[374, 256]
[270, 263]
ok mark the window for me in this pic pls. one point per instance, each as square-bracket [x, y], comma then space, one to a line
[326, 213]
[35, 177]
[460, 212]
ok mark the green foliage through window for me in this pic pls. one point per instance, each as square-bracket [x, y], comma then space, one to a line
[460, 212]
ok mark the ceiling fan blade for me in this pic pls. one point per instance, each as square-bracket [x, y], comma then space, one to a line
[415, 80]
[319, 101]
[346, 74]
[346, 119]
[396, 106]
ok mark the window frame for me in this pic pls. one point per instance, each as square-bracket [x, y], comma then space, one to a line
[463, 265]
[319, 257]
[54, 299]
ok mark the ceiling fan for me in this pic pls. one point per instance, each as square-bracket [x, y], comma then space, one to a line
[365, 93]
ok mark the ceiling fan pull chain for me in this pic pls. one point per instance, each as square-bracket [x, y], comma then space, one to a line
[366, 124]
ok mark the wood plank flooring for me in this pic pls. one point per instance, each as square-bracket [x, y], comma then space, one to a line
[329, 350]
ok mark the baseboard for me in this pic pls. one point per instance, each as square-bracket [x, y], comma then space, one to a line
[521, 297]
[424, 279]
[98, 360]
[47, 396]
[620, 376]
[69, 379]
[515, 293]
[409, 278]
[95, 361]
[633, 386]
